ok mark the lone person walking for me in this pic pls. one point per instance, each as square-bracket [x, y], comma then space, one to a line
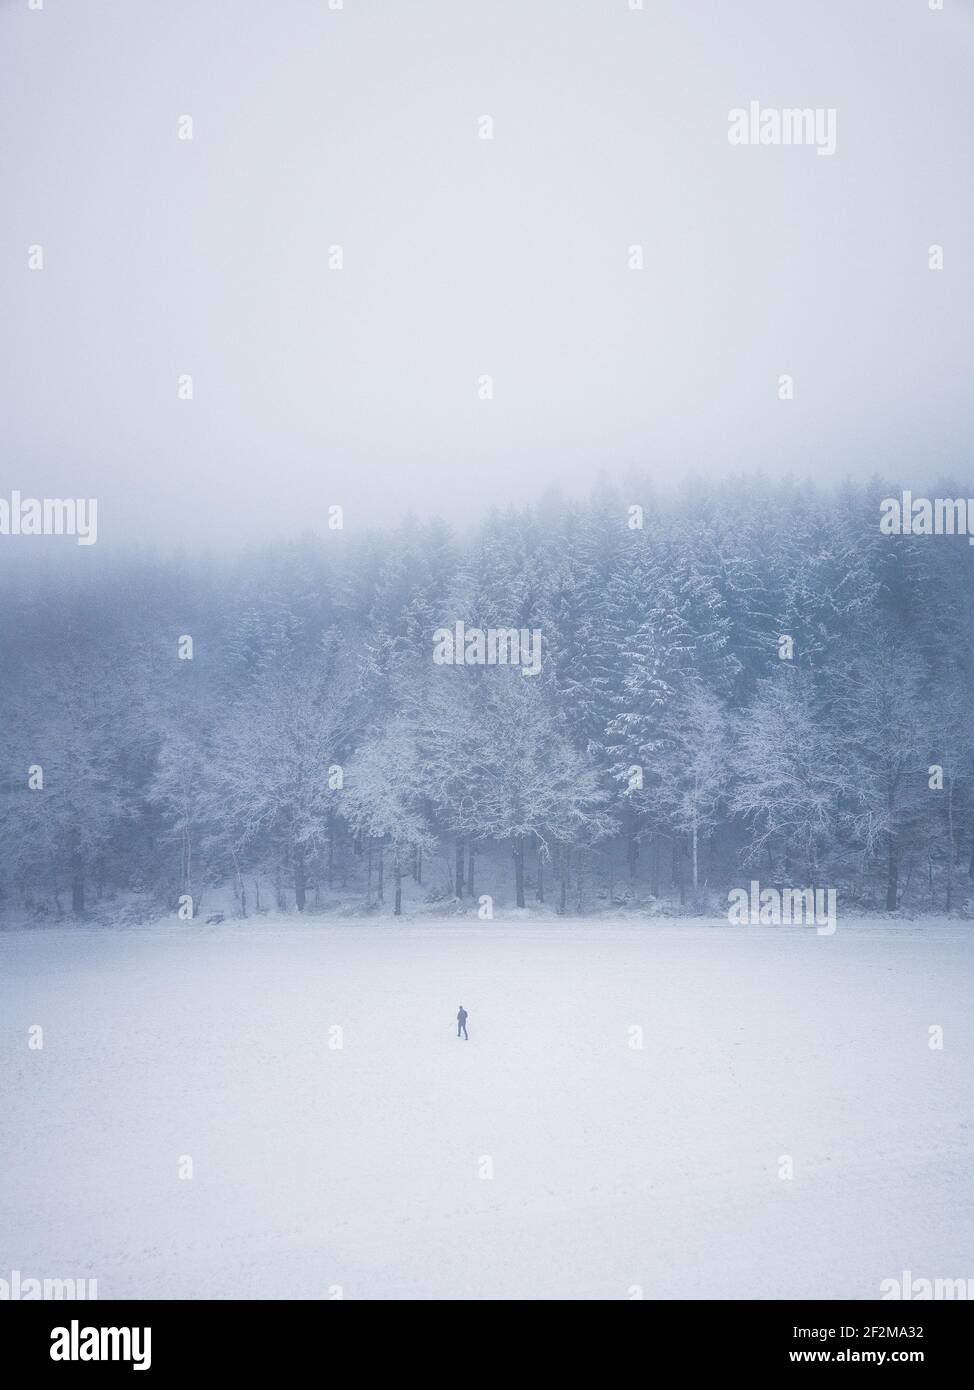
[462, 1022]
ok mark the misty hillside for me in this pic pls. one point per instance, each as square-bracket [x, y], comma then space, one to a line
[739, 681]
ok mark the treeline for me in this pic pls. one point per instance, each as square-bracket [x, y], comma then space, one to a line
[754, 682]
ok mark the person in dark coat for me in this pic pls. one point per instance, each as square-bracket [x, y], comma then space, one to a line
[462, 1022]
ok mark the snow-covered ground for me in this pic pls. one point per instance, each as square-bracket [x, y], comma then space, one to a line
[613, 1166]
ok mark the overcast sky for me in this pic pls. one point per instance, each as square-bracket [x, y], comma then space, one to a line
[466, 257]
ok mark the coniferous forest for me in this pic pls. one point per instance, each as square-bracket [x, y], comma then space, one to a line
[737, 680]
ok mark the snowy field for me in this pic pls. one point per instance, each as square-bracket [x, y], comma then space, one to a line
[613, 1166]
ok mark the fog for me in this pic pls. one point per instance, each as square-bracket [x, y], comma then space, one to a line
[465, 258]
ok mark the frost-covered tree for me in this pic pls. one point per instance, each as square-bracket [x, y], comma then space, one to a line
[72, 767]
[275, 773]
[950, 774]
[386, 793]
[788, 777]
[886, 734]
[179, 791]
[694, 769]
[530, 784]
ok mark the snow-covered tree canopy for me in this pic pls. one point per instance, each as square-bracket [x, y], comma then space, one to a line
[754, 675]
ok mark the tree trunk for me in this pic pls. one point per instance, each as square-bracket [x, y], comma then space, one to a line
[539, 891]
[892, 874]
[519, 869]
[564, 865]
[300, 881]
[459, 867]
[470, 858]
[77, 887]
[77, 874]
[382, 873]
[950, 844]
[241, 888]
[397, 869]
[696, 875]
